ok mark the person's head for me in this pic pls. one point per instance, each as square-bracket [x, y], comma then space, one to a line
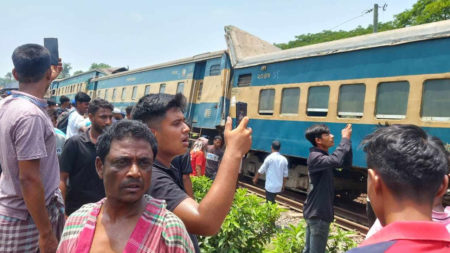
[53, 114]
[404, 164]
[31, 64]
[128, 111]
[100, 114]
[64, 102]
[276, 145]
[200, 144]
[163, 114]
[51, 104]
[218, 141]
[82, 102]
[319, 135]
[117, 114]
[125, 155]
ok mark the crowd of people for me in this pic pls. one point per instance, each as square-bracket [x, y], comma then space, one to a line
[83, 177]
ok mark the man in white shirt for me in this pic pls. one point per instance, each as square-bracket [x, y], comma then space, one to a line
[276, 168]
[76, 123]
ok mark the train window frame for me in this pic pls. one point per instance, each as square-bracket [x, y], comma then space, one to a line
[317, 112]
[124, 94]
[435, 97]
[346, 114]
[134, 93]
[162, 88]
[377, 99]
[99, 93]
[214, 70]
[147, 90]
[114, 94]
[244, 80]
[200, 90]
[283, 100]
[106, 94]
[180, 84]
[266, 112]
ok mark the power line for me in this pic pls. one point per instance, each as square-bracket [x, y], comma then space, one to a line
[364, 13]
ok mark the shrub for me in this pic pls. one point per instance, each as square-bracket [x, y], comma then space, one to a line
[249, 225]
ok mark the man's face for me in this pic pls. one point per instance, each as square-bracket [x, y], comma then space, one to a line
[127, 170]
[172, 133]
[82, 107]
[101, 119]
[326, 140]
[66, 104]
[217, 143]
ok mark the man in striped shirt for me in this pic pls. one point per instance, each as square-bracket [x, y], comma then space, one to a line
[126, 220]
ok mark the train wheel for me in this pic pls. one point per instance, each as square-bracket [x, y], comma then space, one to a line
[250, 166]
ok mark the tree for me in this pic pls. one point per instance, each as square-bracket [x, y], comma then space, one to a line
[65, 71]
[9, 76]
[77, 72]
[99, 66]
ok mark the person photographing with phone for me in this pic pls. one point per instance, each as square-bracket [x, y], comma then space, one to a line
[31, 206]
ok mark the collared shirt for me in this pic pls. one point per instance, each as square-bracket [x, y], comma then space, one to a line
[319, 202]
[78, 159]
[27, 134]
[410, 237]
[276, 167]
[157, 230]
[75, 122]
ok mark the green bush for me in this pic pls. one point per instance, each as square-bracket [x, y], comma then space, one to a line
[248, 227]
[292, 239]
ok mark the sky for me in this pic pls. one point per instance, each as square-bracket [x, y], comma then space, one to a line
[139, 33]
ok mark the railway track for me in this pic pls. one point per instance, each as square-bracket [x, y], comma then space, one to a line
[343, 218]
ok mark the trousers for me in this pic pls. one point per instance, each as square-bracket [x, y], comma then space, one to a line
[316, 235]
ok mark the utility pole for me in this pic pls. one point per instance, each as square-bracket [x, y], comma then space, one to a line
[375, 18]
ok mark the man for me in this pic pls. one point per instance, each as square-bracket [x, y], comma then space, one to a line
[31, 216]
[406, 170]
[183, 164]
[60, 136]
[117, 115]
[76, 122]
[276, 168]
[51, 105]
[64, 105]
[128, 111]
[163, 114]
[126, 220]
[318, 209]
[78, 160]
[214, 155]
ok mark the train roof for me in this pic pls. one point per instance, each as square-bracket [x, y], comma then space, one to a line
[195, 58]
[242, 57]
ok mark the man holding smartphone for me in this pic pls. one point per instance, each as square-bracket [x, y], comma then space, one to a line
[31, 206]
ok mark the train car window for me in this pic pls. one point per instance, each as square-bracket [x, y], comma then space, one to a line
[266, 101]
[351, 100]
[214, 70]
[436, 100]
[147, 89]
[162, 88]
[392, 100]
[318, 97]
[133, 93]
[289, 100]
[200, 90]
[124, 93]
[113, 94]
[244, 80]
[180, 87]
[99, 94]
[106, 94]
[90, 93]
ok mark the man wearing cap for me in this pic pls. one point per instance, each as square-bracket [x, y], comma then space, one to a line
[117, 115]
[214, 154]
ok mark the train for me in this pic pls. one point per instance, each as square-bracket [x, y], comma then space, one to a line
[395, 77]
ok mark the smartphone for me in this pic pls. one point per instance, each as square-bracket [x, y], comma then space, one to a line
[52, 45]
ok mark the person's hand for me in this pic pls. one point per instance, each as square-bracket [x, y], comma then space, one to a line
[239, 139]
[56, 70]
[255, 181]
[48, 243]
[347, 131]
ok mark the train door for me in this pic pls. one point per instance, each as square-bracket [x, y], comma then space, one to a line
[196, 91]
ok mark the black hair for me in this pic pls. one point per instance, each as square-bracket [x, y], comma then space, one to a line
[125, 129]
[53, 113]
[63, 99]
[152, 108]
[31, 62]
[316, 131]
[129, 109]
[218, 137]
[82, 97]
[51, 103]
[98, 103]
[276, 145]
[411, 163]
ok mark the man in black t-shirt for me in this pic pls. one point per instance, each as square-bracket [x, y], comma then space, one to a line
[183, 164]
[163, 114]
[318, 208]
[79, 181]
[214, 155]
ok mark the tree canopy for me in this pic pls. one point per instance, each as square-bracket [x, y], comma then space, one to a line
[65, 71]
[423, 11]
[99, 66]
